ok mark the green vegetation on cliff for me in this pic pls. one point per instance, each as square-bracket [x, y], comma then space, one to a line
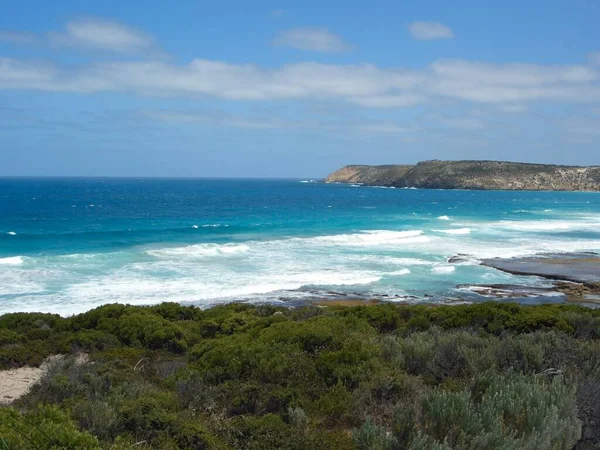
[484, 376]
[499, 175]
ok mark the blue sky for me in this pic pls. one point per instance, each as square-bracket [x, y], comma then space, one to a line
[294, 89]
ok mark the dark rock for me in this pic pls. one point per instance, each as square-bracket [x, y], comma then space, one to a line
[576, 267]
[462, 258]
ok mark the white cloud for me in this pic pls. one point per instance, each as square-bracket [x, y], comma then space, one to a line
[17, 37]
[513, 108]
[222, 119]
[213, 119]
[362, 84]
[513, 83]
[313, 39]
[426, 31]
[97, 34]
[462, 123]
[388, 101]
[385, 127]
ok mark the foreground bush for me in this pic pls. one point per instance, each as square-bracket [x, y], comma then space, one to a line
[45, 427]
[485, 376]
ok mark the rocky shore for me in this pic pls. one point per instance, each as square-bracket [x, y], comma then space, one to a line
[576, 275]
[479, 175]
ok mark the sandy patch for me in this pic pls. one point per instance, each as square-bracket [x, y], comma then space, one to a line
[16, 382]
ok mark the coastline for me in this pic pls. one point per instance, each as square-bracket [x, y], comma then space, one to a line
[474, 175]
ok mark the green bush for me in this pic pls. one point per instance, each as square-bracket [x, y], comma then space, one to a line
[490, 375]
[45, 427]
[266, 432]
[335, 405]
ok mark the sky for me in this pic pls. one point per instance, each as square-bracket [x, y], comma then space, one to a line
[294, 89]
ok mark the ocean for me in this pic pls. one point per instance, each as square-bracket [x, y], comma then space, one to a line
[69, 245]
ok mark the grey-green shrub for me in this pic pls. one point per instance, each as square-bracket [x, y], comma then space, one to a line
[372, 437]
[520, 412]
[298, 418]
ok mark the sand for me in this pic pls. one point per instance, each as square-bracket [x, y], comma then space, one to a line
[16, 382]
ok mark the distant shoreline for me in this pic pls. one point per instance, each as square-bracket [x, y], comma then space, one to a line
[473, 175]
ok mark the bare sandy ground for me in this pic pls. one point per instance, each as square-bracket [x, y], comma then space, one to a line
[16, 382]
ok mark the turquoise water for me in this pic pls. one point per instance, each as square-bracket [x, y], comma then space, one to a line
[68, 245]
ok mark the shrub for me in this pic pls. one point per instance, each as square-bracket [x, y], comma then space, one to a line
[517, 411]
[45, 427]
[66, 378]
[193, 393]
[149, 415]
[406, 377]
[99, 417]
[25, 322]
[146, 330]
[265, 433]
[453, 354]
[297, 418]
[10, 337]
[372, 437]
[335, 405]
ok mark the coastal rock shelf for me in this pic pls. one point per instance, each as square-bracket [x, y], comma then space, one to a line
[481, 175]
[576, 275]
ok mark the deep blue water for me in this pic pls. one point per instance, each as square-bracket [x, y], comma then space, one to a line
[67, 245]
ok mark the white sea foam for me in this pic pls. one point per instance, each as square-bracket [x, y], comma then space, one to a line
[126, 286]
[444, 218]
[399, 272]
[455, 231]
[12, 261]
[11, 233]
[199, 251]
[443, 269]
[374, 237]
[406, 261]
[253, 269]
[591, 224]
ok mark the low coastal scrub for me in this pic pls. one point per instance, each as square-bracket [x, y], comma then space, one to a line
[483, 376]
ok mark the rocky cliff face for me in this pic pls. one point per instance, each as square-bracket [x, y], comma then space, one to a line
[371, 175]
[474, 175]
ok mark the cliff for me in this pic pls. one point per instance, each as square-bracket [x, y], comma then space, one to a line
[498, 175]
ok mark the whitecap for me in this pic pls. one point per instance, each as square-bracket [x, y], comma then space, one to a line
[11, 233]
[400, 272]
[136, 287]
[194, 226]
[12, 261]
[444, 218]
[547, 225]
[374, 237]
[455, 231]
[443, 269]
[199, 251]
